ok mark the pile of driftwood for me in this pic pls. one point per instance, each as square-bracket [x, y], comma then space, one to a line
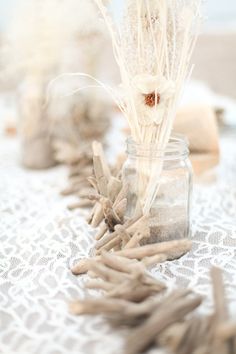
[80, 160]
[155, 317]
[123, 236]
[80, 164]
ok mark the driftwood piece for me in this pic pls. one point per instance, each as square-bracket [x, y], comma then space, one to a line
[101, 232]
[107, 273]
[110, 215]
[154, 260]
[135, 290]
[114, 187]
[96, 216]
[173, 249]
[122, 278]
[101, 169]
[109, 306]
[162, 321]
[162, 251]
[123, 235]
[222, 320]
[99, 285]
[219, 295]
[141, 233]
[82, 266]
[110, 198]
[130, 225]
[121, 264]
[172, 310]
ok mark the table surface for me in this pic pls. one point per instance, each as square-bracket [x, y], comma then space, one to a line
[40, 239]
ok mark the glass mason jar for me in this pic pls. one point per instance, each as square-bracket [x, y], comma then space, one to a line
[165, 177]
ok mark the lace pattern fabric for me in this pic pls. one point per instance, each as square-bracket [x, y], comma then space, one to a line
[40, 239]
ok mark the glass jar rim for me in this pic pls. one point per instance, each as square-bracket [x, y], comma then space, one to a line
[177, 147]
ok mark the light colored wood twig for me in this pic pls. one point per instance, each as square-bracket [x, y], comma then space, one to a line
[178, 248]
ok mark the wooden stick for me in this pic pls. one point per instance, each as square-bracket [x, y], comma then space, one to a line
[93, 183]
[120, 208]
[190, 339]
[141, 233]
[101, 169]
[221, 311]
[137, 293]
[111, 217]
[99, 284]
[179, 247]
[219, 294]
[97, 215]
[226, 331]
[144, 336]
[111, 307]
[151, 261]
[121, 264]
[138, 223]
[123, 234]
[114, 187]
[172, 337]
[113, 235]
[98, 306]
[101, 179]
[99, 152]
[101, 232]
[111, 245]
[122, 194]
[83, 266]
[106, 273]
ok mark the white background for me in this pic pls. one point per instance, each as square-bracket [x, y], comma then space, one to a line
[218, 12]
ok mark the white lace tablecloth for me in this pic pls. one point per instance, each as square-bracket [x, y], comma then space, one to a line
[40, 239]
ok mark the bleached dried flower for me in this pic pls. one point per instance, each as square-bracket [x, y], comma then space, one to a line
[152, 94]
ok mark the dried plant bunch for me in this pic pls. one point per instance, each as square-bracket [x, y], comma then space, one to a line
[152, 47]
[154, 317]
